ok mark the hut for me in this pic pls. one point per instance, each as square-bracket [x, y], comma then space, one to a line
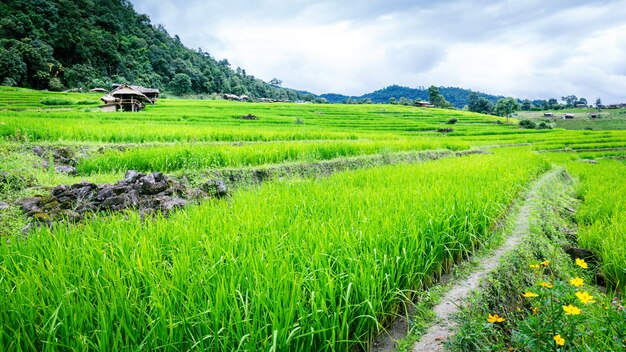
[108, 107]
[568, 116]
[423, 104]
[151, 93]
[548, 114]
[130, 99]
[98, 90]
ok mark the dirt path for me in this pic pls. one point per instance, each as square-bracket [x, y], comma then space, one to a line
[435, 337]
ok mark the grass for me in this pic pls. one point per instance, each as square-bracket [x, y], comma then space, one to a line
[602, 215]
[531, 287]
[290, 265]
[614, 119]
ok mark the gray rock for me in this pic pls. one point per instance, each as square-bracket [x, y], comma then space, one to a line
[39, 151]
[4, 206]
[105, 193]
[132, 176]
[30, 204]
[172, 204]
[215, 188]
[112, 202]
[65, 169]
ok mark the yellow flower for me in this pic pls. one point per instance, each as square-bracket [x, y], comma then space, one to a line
[581, 263]
[585, 297]
[571, 310]
[495, 318]
[546, 284]
[576, 281]
[559, 340]
[545, 263]
[535, 266]
[529, 294]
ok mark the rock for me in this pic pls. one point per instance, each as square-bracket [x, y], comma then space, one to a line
[152, 184]
[32, 226]
[104, 194]
[581, 253]
[4, 206]
[132, 176]
[215, 188]
[30, 204]
[65, 169]
[58, 190]
[113, 202]
[42, 217]
[63, 152]
[171, 204]
[39, 151]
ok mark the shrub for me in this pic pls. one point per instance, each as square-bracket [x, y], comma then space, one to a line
[452, 121]
[527, 124]
[544, 126]
[56, 101]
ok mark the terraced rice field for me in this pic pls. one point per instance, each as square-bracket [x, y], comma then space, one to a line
[293, 263]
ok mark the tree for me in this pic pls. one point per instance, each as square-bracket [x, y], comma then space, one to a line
[405, 101]
[181, 83]
[483, 106]
[506, 106]
[598, 103]
[569, 100]
[437, 99]
[393, 101]
[582, 101]
[527, 105]
[11, 66]
[276, 82]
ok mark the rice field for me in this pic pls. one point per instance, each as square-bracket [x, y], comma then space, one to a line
[294, 263]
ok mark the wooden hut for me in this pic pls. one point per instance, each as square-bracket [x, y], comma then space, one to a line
[129, 99]
[151, 93]
[568, 116]
[548, 114]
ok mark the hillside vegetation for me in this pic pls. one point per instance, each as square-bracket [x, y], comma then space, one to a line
[57, 44]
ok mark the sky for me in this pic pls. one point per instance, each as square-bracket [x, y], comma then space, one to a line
[535, 49]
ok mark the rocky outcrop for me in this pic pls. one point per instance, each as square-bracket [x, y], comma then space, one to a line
[63, 159]
[148, 193]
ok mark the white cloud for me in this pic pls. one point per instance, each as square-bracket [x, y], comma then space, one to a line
[533, 49]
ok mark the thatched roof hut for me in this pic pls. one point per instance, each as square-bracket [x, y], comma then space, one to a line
[129, 99]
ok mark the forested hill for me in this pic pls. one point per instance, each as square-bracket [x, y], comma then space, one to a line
[59, 44]
[456, 96]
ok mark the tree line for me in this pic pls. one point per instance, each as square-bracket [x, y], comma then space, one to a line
[59, 44]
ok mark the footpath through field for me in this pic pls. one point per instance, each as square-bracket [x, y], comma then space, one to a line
[444, 326]
[436, 336]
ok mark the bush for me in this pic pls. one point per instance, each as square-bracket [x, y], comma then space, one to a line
[9, 82]
[55, 85]
[56, 101]
[452, 121]
[527, 124]
[544, 126]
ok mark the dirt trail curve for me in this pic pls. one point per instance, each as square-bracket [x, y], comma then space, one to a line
[435, 337]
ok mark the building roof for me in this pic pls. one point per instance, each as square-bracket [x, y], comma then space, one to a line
[108, 98]
[140, 89]
[127, 90]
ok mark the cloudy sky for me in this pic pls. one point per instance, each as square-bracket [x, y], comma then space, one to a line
[527, 49]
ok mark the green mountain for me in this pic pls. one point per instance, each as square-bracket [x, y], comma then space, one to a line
[456, 96]
[58, 44]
